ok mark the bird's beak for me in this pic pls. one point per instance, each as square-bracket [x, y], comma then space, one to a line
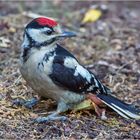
[66, 34]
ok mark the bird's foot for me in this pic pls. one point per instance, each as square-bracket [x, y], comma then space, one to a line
[49, 118]
[95, 102]
[61, 107]
[28, 104]
[100, 112]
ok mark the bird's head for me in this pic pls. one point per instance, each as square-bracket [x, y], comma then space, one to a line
[44, 31]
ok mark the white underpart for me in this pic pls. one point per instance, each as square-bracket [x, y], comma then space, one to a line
[38, 34]
[38, 77]
[48, 49]
[48, 65]
[32, 74]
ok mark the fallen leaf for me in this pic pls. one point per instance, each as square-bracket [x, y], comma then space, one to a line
[92, 15]
[86, 104]
[12, 30]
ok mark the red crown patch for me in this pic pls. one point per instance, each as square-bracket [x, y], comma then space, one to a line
[46, 21]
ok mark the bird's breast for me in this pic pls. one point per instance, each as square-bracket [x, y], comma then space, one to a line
[36, 72]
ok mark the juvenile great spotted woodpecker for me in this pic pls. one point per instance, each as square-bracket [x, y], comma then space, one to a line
[53, 72]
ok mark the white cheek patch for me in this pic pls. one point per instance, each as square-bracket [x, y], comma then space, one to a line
[38, 35]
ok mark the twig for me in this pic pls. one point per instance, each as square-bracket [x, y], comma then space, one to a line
[90, 66]
[120, 68]
[15, 82]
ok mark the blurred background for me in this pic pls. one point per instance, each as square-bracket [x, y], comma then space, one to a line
[108, 44]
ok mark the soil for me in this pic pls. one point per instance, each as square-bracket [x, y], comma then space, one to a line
[109, 47]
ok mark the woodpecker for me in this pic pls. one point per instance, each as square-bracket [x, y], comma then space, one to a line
[53, 72]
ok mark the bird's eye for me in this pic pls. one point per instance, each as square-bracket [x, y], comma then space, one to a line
[48, 32]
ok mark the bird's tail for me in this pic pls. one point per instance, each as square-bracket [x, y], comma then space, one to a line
[125, 110]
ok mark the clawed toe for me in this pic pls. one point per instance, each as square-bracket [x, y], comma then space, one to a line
[31, 103]
[18, 101]
[28, 104]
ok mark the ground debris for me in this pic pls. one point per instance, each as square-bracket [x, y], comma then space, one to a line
[108, 47]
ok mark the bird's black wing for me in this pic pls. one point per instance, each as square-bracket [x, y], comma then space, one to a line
[69, 74]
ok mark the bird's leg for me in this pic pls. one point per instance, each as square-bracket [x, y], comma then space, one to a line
[28, 104]
[97, 109]
[95, 102]
[62, 107]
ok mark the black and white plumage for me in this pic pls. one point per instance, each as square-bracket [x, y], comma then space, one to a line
[69, 74]
[54, 72]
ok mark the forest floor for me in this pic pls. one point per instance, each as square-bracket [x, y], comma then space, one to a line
[109, 47]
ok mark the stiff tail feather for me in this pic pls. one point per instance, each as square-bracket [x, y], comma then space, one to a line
[124, 109]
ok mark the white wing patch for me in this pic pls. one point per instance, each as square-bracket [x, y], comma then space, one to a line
[83, 72]
[72, 63]
[69, 62]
